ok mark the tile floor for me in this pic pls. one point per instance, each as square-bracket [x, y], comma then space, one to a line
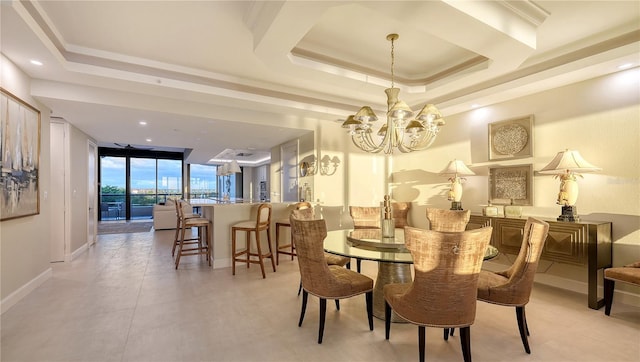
[123, 301]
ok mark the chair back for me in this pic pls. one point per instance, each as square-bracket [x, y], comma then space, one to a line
[447, 265]
[365, 217]
[448, 220]
[263, 217]
[401, 213]
[523, 270]
[303, 214]
[308, 236]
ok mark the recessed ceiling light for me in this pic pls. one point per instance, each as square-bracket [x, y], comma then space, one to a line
[625, 66]
[35, 62]
[142, 123]
[148, 139]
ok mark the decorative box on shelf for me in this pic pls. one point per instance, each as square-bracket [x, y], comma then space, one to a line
[579, 243]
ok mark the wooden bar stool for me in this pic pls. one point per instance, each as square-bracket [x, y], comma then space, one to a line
[202, 243]
[180, 207]
[287, 249]
[261, 223]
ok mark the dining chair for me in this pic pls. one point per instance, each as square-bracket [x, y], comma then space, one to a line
[365, 217]
[261, 223]
[512, 287]
[401, 213]
[629, 274]
[443, 292]
[201, 243]
[322, 280]
[332, 259]
[448, 220]
[287, 249]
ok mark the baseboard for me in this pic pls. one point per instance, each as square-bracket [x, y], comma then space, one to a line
[24, 290]
[79, 251]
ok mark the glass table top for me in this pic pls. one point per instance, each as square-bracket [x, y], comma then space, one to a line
[368, 244]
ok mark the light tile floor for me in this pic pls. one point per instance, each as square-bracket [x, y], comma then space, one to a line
[123, 301]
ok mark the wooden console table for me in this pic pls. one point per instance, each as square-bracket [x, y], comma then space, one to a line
[580, 243]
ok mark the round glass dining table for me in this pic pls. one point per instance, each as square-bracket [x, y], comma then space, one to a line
[394, 259]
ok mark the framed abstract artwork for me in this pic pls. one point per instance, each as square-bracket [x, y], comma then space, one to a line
[20, 159]
[511, 184]
[510, 139]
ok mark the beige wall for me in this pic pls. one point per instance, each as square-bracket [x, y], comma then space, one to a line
[24, 242]
[79, 187]
[600, 118]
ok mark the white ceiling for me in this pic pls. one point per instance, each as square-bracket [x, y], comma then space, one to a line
[210, 76]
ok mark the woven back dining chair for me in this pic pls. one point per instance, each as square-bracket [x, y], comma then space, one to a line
[443, 293]
[323, 280]
[512, 287]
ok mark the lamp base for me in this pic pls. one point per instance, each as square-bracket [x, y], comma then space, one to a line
[456, 205]
[569, 213]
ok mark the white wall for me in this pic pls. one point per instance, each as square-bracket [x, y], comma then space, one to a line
[24, 242]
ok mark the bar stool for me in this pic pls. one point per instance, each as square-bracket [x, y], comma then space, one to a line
[282, 249]
[202, 240]
[261, 223]
[180, 206]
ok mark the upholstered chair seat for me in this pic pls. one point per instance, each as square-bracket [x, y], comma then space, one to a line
[629, 274]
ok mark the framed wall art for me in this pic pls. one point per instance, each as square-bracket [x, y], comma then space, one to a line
[512, 138]
[509, 184]
[20, 147]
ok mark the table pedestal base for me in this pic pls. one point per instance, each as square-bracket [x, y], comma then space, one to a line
[389, 273]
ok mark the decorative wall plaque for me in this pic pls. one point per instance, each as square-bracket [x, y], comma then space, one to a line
[510, 139]
[509, 184]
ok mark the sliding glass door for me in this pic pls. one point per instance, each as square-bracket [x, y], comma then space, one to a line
[113, 187]
[131, 182]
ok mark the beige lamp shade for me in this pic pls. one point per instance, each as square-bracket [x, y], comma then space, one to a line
[456, 167]
[568, 161]
[234, 167]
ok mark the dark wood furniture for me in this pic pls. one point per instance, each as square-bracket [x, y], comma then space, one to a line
[579, 243]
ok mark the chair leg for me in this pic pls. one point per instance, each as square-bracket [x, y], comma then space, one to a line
[609, 286]
[273, 263]
[348, 265]
[300, 287]
[323, 314]
[305, 296]
[278, 245]
[369, 299]
[387, 319]
[358, 262]
[180, 247]
[233, 252]
[260, 260]
[465, 342]
[446, 334]
[338, 304]
[421, 337]
[522, 323]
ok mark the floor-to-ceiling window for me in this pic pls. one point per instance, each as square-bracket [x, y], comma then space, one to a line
[132, 181]
[203, 182]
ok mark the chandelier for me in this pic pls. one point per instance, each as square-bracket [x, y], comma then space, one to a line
[401, 131]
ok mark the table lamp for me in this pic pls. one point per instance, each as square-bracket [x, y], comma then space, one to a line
[567, 165]
[455, 169]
